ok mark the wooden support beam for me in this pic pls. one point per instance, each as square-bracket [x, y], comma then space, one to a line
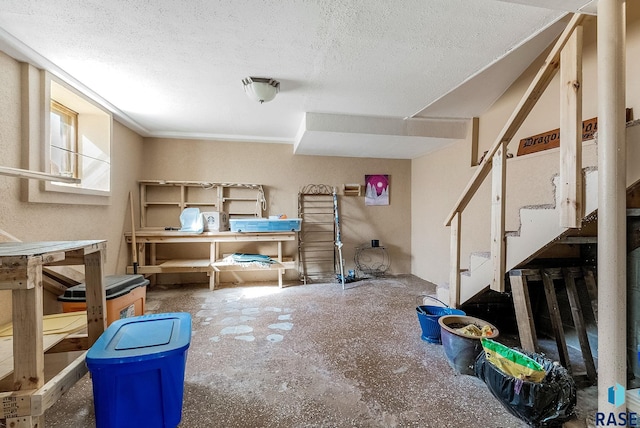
[612, 222]
[571, 204]
[15, 404]
[578, 321]
[46, 396]
[498, 190]
[475, 132]
[554, 315]
[454, 262]
[592, 290]
[95, 295]
[28, 352]
[524, 314]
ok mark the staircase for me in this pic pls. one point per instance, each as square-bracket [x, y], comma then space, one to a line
[539, 228]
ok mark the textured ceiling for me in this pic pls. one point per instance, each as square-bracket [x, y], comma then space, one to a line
[174, 69]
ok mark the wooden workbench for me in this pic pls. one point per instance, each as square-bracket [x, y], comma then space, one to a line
[212, 265]
[21, 272]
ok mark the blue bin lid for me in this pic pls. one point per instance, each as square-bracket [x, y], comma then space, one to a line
[141, 338]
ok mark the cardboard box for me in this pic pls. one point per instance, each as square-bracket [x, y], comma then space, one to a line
[216, 221]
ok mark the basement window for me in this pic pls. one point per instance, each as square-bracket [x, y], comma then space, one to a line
[79, 143]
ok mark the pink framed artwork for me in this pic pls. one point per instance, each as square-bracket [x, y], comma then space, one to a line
[377, 192]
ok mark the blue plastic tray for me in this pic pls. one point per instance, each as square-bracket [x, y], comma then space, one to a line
[265, 225]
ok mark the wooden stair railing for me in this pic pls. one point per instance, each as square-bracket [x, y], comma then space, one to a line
[568, 48]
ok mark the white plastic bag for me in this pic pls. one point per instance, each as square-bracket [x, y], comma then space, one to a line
[191, 220]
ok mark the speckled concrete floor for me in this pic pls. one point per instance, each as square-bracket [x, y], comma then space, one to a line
[310, 356]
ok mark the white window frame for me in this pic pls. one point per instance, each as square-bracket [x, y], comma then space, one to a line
[93, 123]
[41, 86]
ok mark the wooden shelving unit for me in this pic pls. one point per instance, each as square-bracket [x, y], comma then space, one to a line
[147, 240]
[162, 201]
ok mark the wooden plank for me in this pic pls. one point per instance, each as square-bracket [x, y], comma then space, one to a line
[498, 190]
[51, 392]
[553, 139]
[577, 240]
[556, 321]
[454, 262]
[16, 272]
[520, 113]
[79, 342]
[532, 274]
[571, 204]
[95, 295]
[592, 290]
[67, 275]
[233, 267]
[475, 131]
[26, 422]
[50, 341]
[524, 314]
[216, 254]
[28, 352]
[53, 286]
[281, 270]
[578, 321]
[14, 404]
[15, 249]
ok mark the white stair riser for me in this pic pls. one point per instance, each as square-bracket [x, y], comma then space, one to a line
[538, 227]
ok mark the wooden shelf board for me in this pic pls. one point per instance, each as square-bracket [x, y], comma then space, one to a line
[76, 321]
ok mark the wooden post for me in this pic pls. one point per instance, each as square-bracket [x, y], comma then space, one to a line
[95, 294]
[454, 262]
[571, 204]
[554, 315]
[524, 314]
[578, 321]
[475, 131]
[28, 347]
[612, 269]
[498, 190]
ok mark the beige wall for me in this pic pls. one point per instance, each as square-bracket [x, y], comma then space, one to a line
[282, 174]
[35, 221]
[438, 179]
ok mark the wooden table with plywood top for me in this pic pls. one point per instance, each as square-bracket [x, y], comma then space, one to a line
[213, 265]
[21, 272]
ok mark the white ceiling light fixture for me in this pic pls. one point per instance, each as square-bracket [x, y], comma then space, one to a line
[261, 89]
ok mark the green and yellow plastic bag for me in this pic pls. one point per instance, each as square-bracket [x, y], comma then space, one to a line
[511, 362]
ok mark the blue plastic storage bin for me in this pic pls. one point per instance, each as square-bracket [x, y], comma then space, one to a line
[265, 225]
[137, 367]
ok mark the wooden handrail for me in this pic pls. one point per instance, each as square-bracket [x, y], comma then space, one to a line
[522, 110]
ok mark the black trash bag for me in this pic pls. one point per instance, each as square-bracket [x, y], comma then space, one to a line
[549, 403]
